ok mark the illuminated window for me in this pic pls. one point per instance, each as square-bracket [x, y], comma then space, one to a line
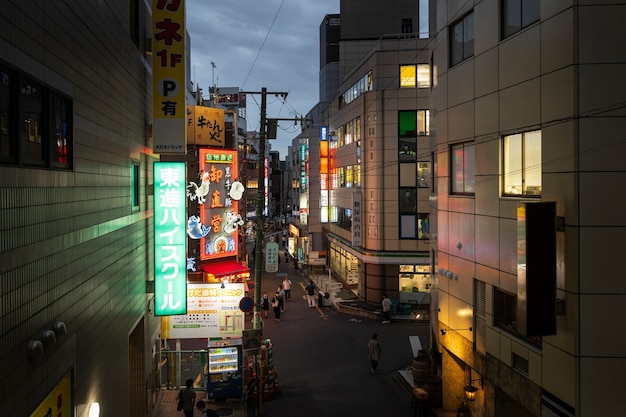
[412, 76]
[134, 185]
[521, 163]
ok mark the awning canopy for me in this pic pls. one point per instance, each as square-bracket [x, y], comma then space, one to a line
[225, 268]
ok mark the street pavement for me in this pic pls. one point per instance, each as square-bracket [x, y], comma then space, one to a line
[321, 360]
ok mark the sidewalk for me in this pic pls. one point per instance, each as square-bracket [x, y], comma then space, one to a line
[167, 406]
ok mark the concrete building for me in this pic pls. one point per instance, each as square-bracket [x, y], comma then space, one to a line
[375, 200]
[76, 204]
[528, 121]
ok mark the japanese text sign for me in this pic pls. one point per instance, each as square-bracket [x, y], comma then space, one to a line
[168, 76]
[220, 212]
[271, 257]
[205, 126]
[170, 239]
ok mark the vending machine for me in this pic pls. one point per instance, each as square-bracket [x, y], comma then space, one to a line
[224, 368]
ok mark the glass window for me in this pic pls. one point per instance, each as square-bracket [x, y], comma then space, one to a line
[8, 150]
[522, 164]
[407, 25]
[408, 77]
[134, 185]
[518, 14]
[424, 173]
[504, 310]
[423, 76]
[462, 40]
[61, 143]
[423, 19]
[462, 166]
[31, 123]
[423, 227]
[407, 201]
[408, 226]
[423, 122]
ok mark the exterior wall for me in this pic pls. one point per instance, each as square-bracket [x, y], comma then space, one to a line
[559, 75]
[72, 248]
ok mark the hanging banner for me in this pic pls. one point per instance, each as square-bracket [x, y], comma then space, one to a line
[170, 239]
[168, 77]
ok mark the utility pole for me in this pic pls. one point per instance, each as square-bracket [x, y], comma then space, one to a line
[258, 248]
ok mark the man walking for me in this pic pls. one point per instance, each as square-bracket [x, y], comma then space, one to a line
[374, 351]
[310, 293]
[287, 288]
[386, 309]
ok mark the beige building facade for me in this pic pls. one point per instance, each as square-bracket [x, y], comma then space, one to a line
[528, 114]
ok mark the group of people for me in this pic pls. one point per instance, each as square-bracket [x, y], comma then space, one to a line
[277, 302]
[187, 400]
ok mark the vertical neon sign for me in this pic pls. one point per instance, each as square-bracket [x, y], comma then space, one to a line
[170, 239]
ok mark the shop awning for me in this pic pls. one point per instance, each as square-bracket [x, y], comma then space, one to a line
[225, 268]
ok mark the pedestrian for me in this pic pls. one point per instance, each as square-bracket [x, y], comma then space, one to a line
[386, 309]
[276, 307]
[310, 293]
[374, 351]
[265, 304]
[287, 288]
[205, 412]
[281, 298]
[187, 397]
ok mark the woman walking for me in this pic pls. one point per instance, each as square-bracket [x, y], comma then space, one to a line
[276, 306]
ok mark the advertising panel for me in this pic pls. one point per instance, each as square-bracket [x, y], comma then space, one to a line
[219, 214]
[168, 77]
[170, 239]
[271, 257]
[205, 126]
[59, 401]
[212, 311]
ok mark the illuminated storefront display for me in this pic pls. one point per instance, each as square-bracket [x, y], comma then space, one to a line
[168, 76]
[205, 126]
[219, 215]
[170, 239]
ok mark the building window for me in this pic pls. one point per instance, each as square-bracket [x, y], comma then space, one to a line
[407, 200]
[423, 226]
[423, 174]
[518, 14]
[462, 174]
[134, 185]
[412, 76]
[521, 163]
[411, 124]
[407, 25]
[505, 310]
[35, 123]
[408, 226]
[462, 40]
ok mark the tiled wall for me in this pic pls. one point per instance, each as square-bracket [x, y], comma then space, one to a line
[71, 247]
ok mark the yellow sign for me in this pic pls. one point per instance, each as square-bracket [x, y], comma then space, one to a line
[168, 76]
[59, 401]
[205, 126]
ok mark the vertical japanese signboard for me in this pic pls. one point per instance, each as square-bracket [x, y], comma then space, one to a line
[324, 172]
[170, 239]
[356, 221]
[205, 126]
[168, 76]
[271, 257]
[220, 213]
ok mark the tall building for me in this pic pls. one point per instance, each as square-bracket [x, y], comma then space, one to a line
[76, 203]
[375, 161]
[528, 121]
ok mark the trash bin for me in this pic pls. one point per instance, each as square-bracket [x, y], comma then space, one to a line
[323, 299]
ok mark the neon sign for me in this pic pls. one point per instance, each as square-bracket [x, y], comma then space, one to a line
[170, 239]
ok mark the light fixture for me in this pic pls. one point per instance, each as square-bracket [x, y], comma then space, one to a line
[470, 390]
[35, 348]
[94, 410]
[443, 331]
[48, 337]
[59, 328]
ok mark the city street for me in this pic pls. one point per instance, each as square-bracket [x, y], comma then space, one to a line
[322, 361]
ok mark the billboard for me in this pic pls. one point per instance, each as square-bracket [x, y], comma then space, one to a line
[168, 77]
[170, 239]
[205, 126]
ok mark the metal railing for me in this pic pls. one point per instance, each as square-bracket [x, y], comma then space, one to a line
[176, 367]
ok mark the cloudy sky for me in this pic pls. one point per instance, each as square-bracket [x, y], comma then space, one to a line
[256, 44]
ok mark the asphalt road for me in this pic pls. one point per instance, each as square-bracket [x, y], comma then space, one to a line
[322, 363]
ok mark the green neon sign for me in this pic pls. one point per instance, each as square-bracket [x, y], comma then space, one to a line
[170, 239]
